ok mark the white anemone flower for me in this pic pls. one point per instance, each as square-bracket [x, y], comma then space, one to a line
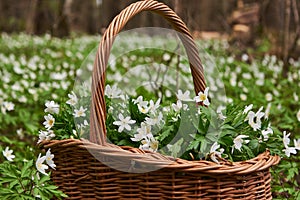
[51, 107]
[143, 132]
[8, 154]
[45, 135]
[254, 119]
[73, 99]
[243, 97]
[239, 141]
[214, 154]
[156, 120]
[80, 112]
[220, 114]
[20, 133]
[267, 112]
[153, 106]
[297, 144]
[248, 108]
[143, 109]
[49, 123]
[289, 150]
[177, 107]
[9, 106]
[183, 96]
[298, 115]
[49, 159]
[269, 97]
[140, 101]
[112, 92]
[149, 144]
[203, 97]
[40, 166]
[266, 133]
[286, 138]
[124, 123]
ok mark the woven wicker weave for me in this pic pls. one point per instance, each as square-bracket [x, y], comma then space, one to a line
[81, 175]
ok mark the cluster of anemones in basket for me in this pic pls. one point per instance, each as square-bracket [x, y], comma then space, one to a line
[144, 133]
[53, 108]
[147, 140]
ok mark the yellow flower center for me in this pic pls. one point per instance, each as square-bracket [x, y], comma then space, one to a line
[51, 122]
[202, 97]
[154, 145]
[144, 142]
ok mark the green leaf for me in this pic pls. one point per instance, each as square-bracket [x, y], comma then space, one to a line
[25, 171]
[166, 133]
[176, 148]
[253, 144]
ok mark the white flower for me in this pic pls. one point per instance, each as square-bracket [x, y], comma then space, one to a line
[8, 154]
[149, 144]
[80, 112]
[20, 133]
[203, 97]
[51, 107]
[83, 125]
[267, 112]
[255, 119]
[112, 92]
[49, 121]
[238, 141]
[214, 153]
[286, 140]
[245, 57]
[9, 106]
[49, 159]
[155, 120]
[153, 106]
[143, 132]
[269, 97]
[248, 108]
[45, 135]
[177, 107]
[140, 101]
[266, 133]
[296, 97]
[243, 97]
[124, 123]
[142, 105]
[220, 114]
[143, 109]
[73, 99]
[297, 144]
[298, 115]
[183, 96]
[289, 150]
[40, 166]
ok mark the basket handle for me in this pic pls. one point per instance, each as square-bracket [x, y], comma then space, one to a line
[98, 108]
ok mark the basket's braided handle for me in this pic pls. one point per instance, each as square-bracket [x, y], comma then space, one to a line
[98, 108]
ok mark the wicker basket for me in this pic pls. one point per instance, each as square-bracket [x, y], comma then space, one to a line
[81, 175]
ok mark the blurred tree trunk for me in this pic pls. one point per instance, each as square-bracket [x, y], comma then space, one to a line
[81, 15]
[286, 37]
[60, 27]
[44, 17]
[209, 15]
[280, 22]
[31, 16]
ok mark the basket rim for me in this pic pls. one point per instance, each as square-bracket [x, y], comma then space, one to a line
[261, 162]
